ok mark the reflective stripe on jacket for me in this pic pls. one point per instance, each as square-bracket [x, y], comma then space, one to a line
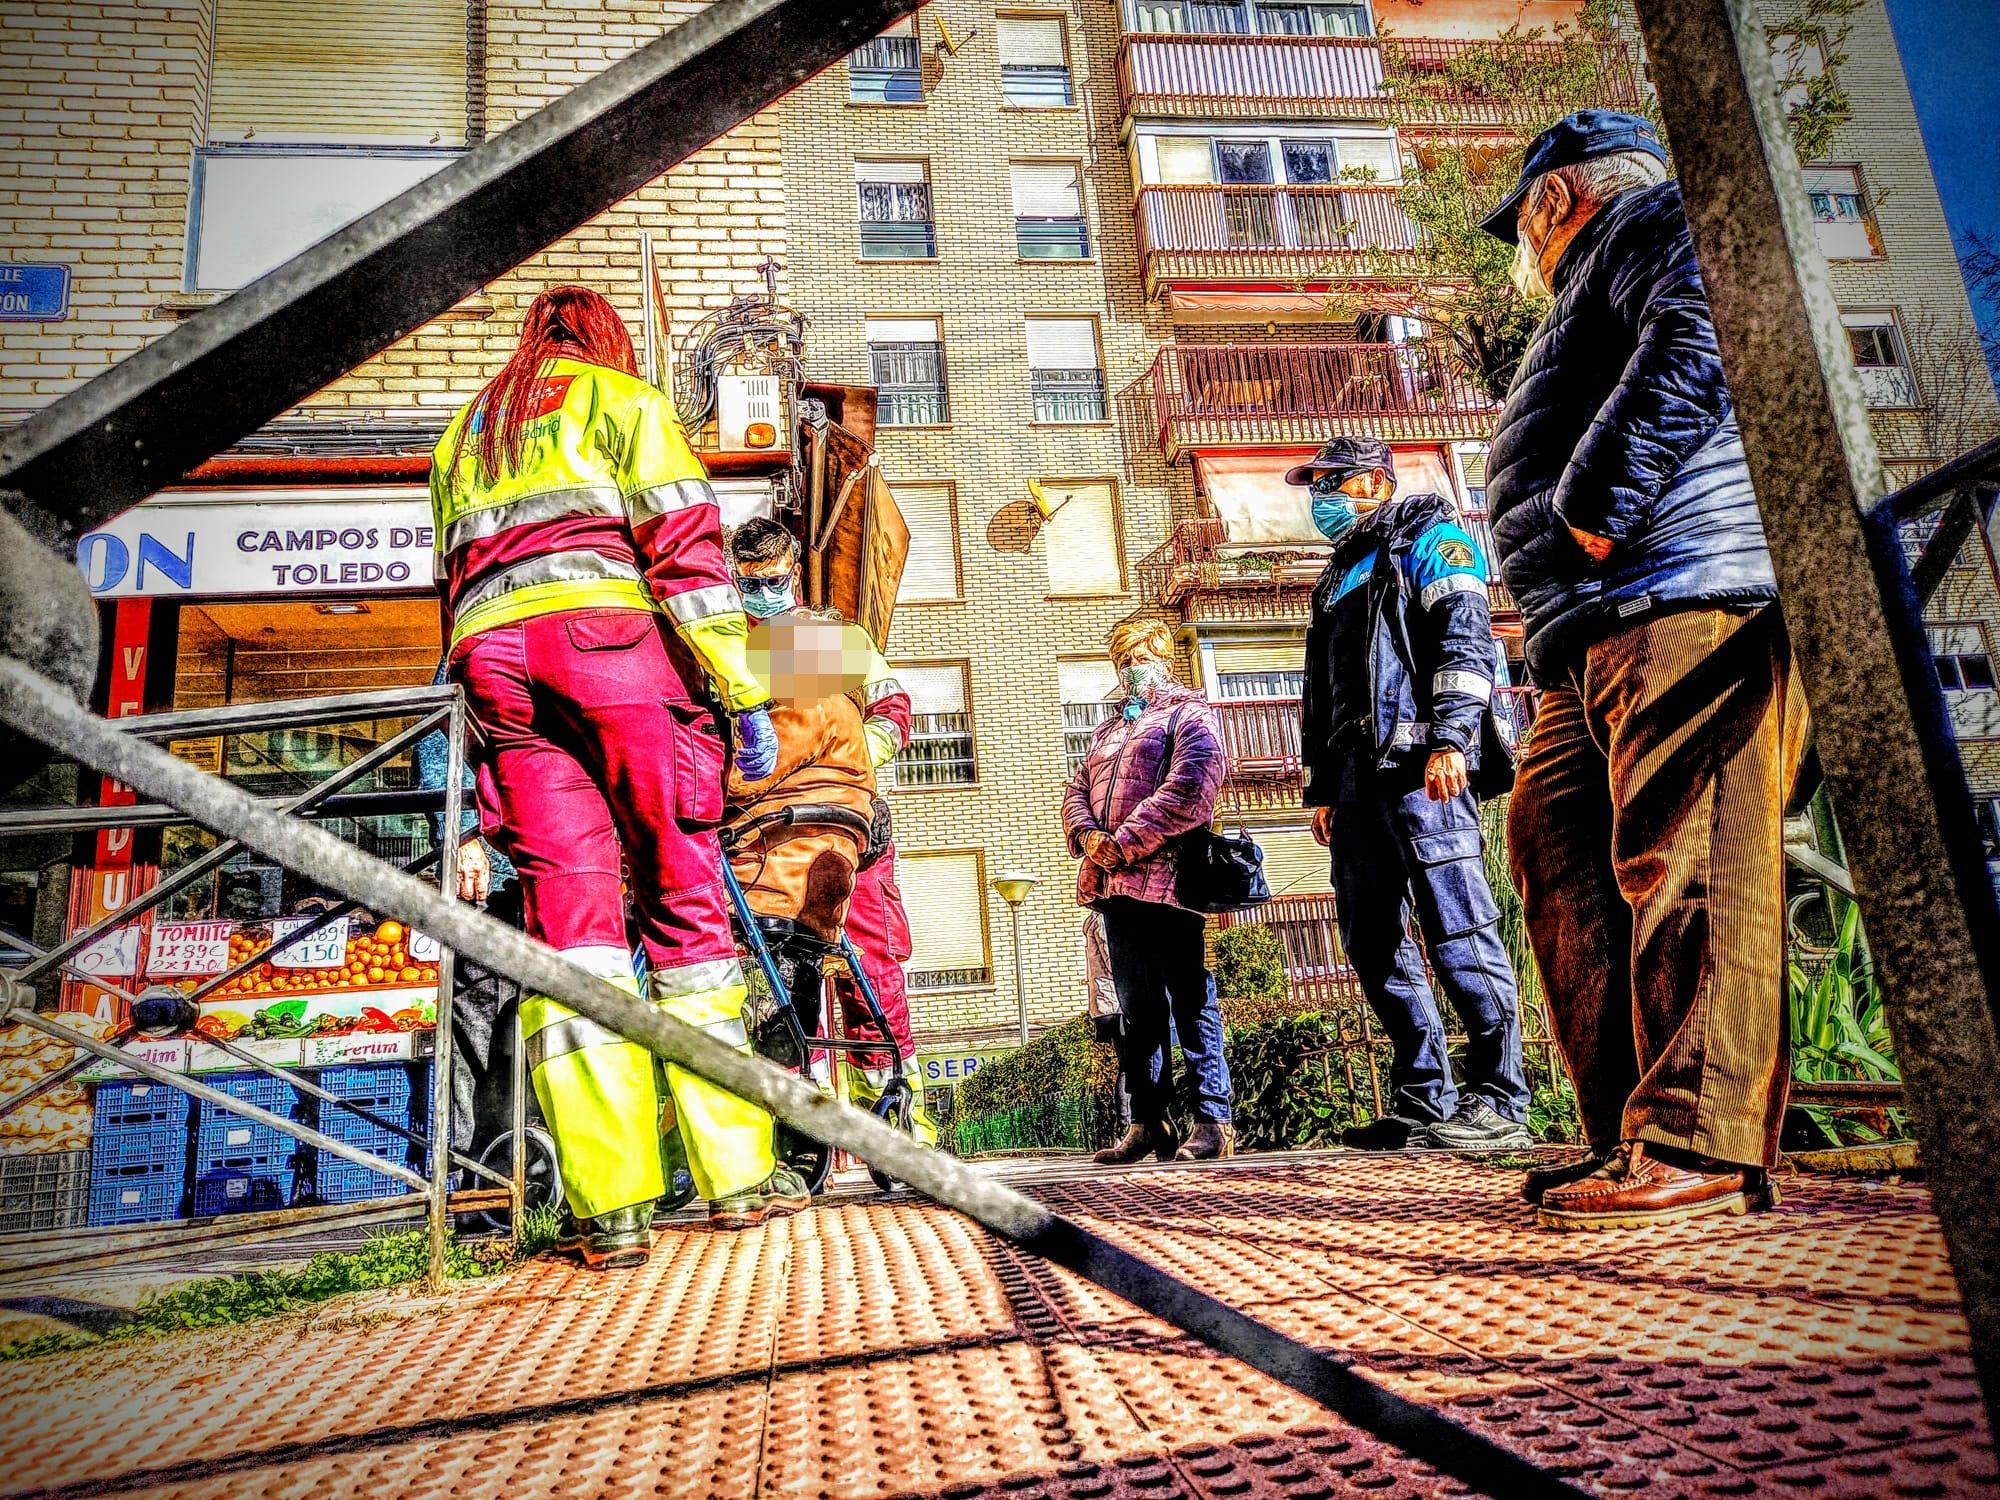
[608, 508]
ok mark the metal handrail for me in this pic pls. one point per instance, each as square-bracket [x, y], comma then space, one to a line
[36, 706]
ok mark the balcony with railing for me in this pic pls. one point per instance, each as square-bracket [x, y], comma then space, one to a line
[1293, 235]
[1410, 80]
[1216, 395]
[1261, 736]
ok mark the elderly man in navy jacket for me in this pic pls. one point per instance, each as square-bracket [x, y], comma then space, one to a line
[1398, 738]
[1646, 826]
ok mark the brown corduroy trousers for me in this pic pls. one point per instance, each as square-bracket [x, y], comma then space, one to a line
[1646, 835]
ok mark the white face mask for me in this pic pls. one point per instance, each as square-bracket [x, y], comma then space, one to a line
[1526, 272]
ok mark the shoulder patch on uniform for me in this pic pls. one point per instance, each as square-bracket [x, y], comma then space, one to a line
[1458, 554]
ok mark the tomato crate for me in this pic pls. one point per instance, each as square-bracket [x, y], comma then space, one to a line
[248, 1182]
[140, 1138]
[46, 1190]
[338, 1181]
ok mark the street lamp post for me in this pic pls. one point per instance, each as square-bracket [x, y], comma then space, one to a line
[1013, 886]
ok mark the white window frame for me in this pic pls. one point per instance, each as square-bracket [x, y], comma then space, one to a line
[950, 489]
[1082, 388]
[404, 168]
[911, 863]
[908, 778]
[1273, 136]
[1891, 386]
[1068, 65]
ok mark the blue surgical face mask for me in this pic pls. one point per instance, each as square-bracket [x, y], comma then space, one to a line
[1334, 514]
[765, 597]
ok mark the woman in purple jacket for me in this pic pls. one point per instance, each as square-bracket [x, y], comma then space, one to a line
[1152, 773]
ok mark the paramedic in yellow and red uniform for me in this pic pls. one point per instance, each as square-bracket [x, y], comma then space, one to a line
[593, 623]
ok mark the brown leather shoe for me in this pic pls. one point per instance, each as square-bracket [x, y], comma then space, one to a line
[1554, 1174]
[1211, 1140]
[1634, 1189]
[1143, 1136]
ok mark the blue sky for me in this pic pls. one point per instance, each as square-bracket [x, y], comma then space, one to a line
[1951, 52]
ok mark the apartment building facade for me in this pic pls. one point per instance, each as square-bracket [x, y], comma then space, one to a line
[1113, 264]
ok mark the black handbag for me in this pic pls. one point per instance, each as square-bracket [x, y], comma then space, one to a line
[1215, 872]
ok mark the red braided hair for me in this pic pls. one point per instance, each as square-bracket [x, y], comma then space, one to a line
[565, 322]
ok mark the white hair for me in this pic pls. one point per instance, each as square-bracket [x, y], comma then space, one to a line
[1599, 179]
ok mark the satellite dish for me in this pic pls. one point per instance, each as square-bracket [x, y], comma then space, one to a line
[1016, 524]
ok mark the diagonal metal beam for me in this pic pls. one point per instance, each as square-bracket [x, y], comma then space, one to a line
[155, 415]
[1885, 739]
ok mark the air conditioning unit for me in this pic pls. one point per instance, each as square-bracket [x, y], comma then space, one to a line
[750, 415]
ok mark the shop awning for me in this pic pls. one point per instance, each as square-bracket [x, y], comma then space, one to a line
[1249, 491]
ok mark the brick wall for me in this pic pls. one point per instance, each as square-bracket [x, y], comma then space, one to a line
[100, 108]
[1007, 628]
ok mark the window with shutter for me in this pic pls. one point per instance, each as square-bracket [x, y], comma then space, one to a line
[930, 569]
[907, 356]
[1048, 211]
[944, 895]
[318, 112]
[1065, 376]
[1034, 62]
[1262, 671]
[1084, 687]
[1294, 863]
[333, 72]
[1082, 539]
[887, 70]
[940, 750]
[894, 203]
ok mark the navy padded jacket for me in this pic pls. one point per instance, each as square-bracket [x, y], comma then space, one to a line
[1430, 650]
[1619, 423]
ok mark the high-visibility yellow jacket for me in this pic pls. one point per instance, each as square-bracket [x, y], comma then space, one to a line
[608, 509]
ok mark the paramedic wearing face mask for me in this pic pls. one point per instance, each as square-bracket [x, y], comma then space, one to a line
[595, 631]
[1399, 742]
[1153, 772]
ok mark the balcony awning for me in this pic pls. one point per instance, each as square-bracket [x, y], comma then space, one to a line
[1249, 491]
[1237, 303]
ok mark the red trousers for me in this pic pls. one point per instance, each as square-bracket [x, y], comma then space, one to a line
[599, 753]
[593, 754]
[880, 932]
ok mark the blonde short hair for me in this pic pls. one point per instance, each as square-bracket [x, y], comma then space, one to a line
[1136, 635]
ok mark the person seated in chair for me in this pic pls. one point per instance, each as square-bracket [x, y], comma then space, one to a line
[798, 879]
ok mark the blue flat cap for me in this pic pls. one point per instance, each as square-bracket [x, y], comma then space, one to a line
[1574, 138]
[1344, 456]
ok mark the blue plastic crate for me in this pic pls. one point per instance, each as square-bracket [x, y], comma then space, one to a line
[140, 1193]
[137, 1104]
[246, 1184]
[273, 1094]
[226, 1138]
[344, 1182]
[398, 1092]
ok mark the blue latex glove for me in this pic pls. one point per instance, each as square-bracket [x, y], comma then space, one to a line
[756, 744]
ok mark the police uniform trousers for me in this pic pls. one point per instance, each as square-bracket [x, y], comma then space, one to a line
[1395, 850]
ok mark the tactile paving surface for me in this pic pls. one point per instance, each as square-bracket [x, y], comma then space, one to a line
[889, 1349]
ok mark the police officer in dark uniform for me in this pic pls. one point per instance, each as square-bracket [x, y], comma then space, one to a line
[1400, 739]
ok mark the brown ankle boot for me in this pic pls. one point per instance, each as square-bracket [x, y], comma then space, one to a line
[1143, 1136]
[1212, 1140]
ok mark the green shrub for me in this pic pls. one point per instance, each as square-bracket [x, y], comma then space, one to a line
[1287, 1098]
[1063, 1062]
[1249, 963]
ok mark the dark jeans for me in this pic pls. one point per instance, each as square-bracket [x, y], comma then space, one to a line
[483, 1006]
[1647, 833]
[1394, 849]
[1160, 969]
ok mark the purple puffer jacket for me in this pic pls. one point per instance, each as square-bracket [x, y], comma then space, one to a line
[1144, 788]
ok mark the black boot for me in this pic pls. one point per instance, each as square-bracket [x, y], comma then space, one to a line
[614, 1241]
[1143, 1136]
